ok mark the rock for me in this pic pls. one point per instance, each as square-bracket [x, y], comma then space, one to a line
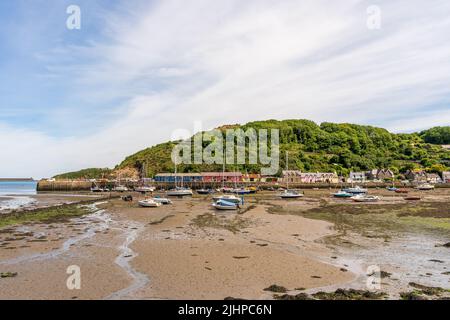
[349, 294]
[8, 274]
[429, 291]
[276, 288]
[300, 296]
[411, 296]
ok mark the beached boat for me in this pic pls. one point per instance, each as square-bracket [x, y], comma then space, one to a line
[144, 189]
[365, 198]
[391, 188]
[425, 186]
[149, 203]
[162, 200]
[205, 191]
[180, 192]
[120, 189]
[225, 205]
[401, 191]
[291, 194]
[96, 189]
[228, 198]
[241, 191]
[413, 198]
[355, 190]
[342, 194]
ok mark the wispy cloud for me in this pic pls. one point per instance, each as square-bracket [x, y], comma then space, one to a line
[152, 68]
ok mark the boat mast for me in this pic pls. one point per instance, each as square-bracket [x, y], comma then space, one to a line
[287, 169]
[223, 172]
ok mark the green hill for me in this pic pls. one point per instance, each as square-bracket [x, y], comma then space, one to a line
[325, 147]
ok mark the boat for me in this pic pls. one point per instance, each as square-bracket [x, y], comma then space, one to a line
[365, 198]
[425, 186]
[225, 205]
[355, 190]
[180, 192]
[401, 191]
[342, 194]
[144, 189]
[291, 194]
[205, 191]
[253, 189]
[414, 198]
[241, 191]
[392, 188]
[228, 198]
[162, 200]
[96, 189]
[120, 189]
[149, 203]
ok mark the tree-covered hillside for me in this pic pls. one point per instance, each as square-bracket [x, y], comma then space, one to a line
[325, 147]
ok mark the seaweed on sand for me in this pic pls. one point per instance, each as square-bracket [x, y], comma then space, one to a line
[349, 294]
[233, 224]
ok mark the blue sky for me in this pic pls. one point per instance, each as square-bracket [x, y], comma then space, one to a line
[138, 71]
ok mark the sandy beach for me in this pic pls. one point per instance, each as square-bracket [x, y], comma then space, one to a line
[188, 250]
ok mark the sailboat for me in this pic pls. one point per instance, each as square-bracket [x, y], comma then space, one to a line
[179, 191]
[225, 205]
[289, 194]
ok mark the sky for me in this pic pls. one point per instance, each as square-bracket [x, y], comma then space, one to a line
[137, 72]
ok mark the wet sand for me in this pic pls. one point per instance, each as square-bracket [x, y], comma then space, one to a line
[187, 250]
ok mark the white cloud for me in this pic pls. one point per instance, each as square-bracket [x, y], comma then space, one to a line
[233, 61]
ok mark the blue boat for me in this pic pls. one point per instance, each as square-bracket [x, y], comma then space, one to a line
[225, 205]
[343, 194]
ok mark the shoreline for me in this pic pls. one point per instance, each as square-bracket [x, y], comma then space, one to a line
[185, 251]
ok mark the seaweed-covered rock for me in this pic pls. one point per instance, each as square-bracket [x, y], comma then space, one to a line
[299, 296]
[276, 288]
[349, 294]
[411, 296]
[429, 291]
[8, 274]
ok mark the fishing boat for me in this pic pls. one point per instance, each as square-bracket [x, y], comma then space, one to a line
[149, 203]
[162, 200]
[225, 205]
[355, 190]
[291, 194]
[365, 198]
[144, 189]
[205, 191]
[425, 186]
[228, 198]
[342, 194]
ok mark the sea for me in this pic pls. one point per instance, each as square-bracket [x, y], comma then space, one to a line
[16, 194]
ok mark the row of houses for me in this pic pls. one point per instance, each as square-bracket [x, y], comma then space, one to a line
[296, 176]
[415, 176]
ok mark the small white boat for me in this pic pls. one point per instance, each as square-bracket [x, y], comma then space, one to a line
[225, 205]
[355, 190]
[96, 189]
[365, 198]
[291, 194]
[180, 192]
[149, 203]
[162, 200]
[121, 189]
[425, 186]
[227, 198]
[144, 189]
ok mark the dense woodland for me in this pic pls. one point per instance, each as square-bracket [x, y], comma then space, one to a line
[328, 147]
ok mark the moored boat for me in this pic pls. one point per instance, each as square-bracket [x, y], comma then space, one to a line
[144, 189]
[162, 200]
[120, 189]
[149, 203]
[205, 191]
[342, 194]
[291, 194]
[355, 190]
[425, 186]
[228, 198]
[365, 198]
[180, 192]
[225, 205]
